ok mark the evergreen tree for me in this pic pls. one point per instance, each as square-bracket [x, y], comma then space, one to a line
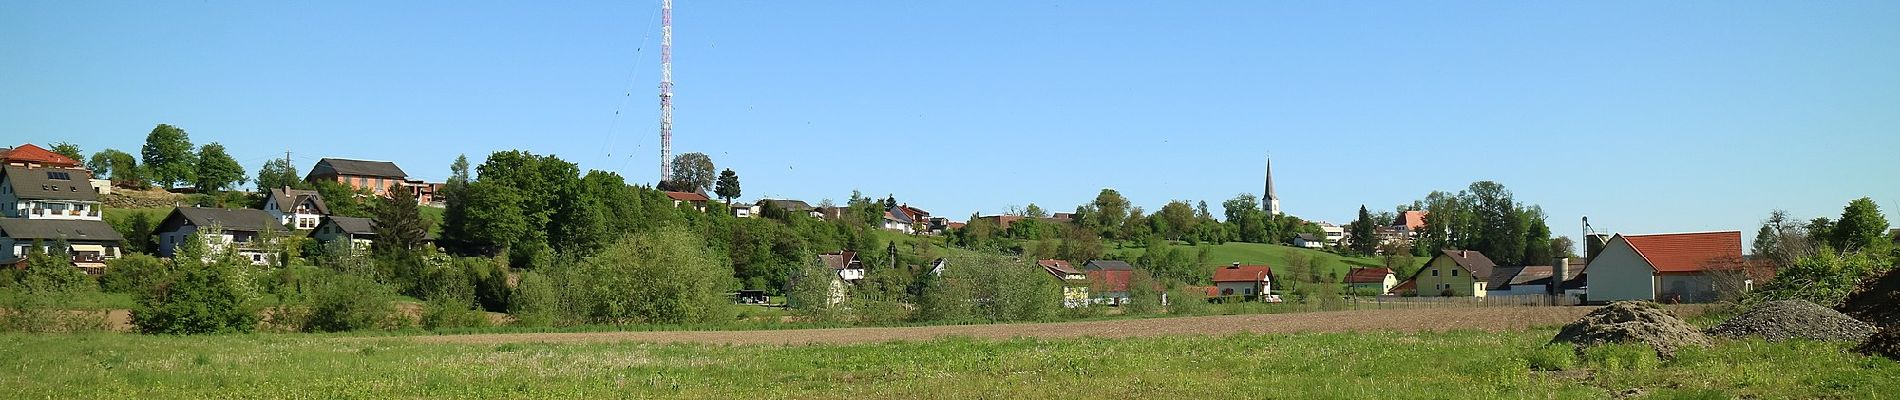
[728, 186]
[1365, 232]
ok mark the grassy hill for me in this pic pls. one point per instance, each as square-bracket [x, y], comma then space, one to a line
[1270, 254]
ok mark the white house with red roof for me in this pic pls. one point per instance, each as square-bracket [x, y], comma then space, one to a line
[1670, 267]
[1371, 280]
[697, 200]
[1250, 282]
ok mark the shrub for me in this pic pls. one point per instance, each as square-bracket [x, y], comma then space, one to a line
[195, 300]
[810, 296]
[942, 301]
[133, 273]
[52, 272]
[1188, 301]
[348, 302]
[665, 276]
[445, 312]
[533, 301]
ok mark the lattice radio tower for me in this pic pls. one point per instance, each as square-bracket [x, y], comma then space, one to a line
[666, 90]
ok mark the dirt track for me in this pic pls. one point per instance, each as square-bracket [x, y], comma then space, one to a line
[1403, 320]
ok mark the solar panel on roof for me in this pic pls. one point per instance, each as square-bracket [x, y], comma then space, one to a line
[59, 175]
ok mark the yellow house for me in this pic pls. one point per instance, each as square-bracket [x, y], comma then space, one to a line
[1460, 273]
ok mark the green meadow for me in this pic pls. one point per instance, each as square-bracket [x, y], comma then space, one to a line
[1464, 364]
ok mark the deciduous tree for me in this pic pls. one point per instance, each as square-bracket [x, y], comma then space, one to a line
[693, 172]
[168, 156]
[217, 171]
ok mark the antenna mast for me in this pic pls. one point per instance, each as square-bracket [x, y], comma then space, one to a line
[666, 90]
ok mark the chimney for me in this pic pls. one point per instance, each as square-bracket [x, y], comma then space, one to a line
[1559, 270]
[1464, 253]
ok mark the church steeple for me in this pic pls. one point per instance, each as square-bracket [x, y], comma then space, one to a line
[1272, 201]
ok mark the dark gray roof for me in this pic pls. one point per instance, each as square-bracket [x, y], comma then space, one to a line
[339, 166]
[1108, 265]
[1471, 260]
[243, 220]
[1309, 237]
[354, 225]
[53, 229]
[288, 199]
[41, 184]
[787, 205]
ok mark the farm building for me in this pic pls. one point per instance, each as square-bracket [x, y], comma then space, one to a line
[1672, 267]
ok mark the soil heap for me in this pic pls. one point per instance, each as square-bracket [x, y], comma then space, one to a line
[1885, 344]
[1794, 319]
[1633, 322]
[1877, 301]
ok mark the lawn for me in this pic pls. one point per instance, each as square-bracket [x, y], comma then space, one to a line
[1321, 365]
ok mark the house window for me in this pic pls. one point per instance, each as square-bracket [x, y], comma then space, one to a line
[1454, 272]
[1434, 272]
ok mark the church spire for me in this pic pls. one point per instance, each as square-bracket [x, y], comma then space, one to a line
[1272, 201]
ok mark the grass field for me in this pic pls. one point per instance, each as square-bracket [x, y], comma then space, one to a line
[1271, 254]
[1462, 364]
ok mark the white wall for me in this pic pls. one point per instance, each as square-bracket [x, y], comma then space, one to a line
[1619, 273]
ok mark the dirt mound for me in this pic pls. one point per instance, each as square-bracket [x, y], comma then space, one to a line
[133, 198]
[1794, 319]
[1877, 301]
[1632, 322]
[1885, 344]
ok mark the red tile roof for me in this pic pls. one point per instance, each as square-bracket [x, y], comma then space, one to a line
[687, 196]
[1243, 273]
[1413, 220]
[1688, 252]
[1058, 265]
[1367, 275]
[1406, 286]
[28, 153]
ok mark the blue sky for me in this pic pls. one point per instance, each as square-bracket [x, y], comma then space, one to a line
[1646, 116]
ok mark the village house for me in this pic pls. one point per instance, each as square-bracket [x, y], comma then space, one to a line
[239, 230]
[28, 155]
[697, 200]
[360, 232]
[89, 243]
[1075, 283]
[48, 193]
[846, 270]
[377, 177]
[1108, 281]
[1376, 281]
[1308, 240]
[300, 209]
[1335, 234]
[1460, 273]
[1670, 268]
[44, 204]
[790, 207]
[1244, 282]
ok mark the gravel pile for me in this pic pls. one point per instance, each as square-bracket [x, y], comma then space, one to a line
[1885, 344]
[1876, 301]
[1794, 319]
[1632, 322]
